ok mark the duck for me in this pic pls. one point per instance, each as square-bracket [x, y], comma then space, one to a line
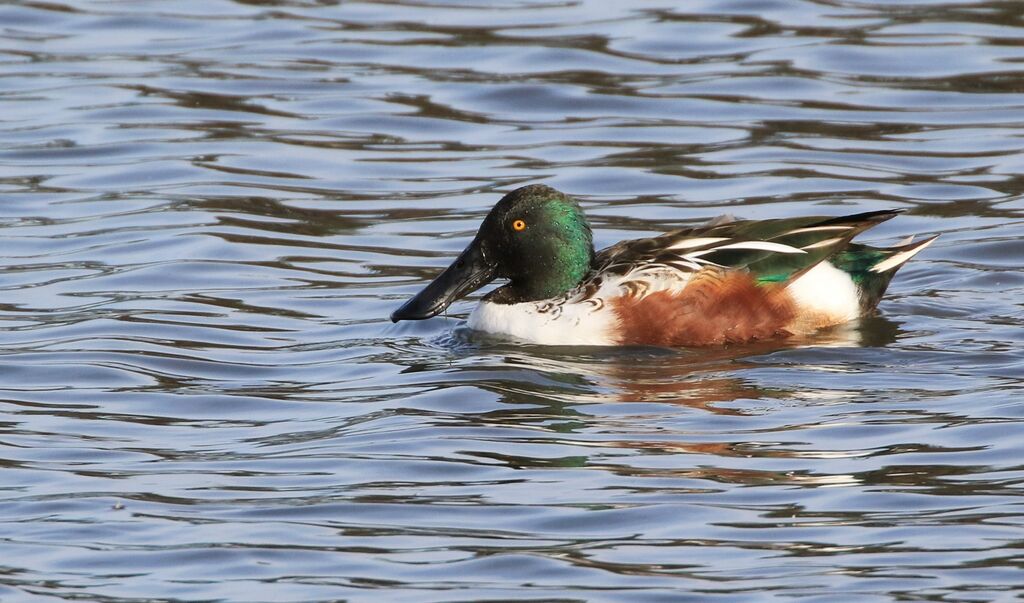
[729, 281]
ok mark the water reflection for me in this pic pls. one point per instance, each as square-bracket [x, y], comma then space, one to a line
[209, 211]
[699, 378]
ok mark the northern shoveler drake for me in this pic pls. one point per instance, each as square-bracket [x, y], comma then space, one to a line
[728, 281]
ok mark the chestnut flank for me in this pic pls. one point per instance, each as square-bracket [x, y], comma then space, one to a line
[714, 308]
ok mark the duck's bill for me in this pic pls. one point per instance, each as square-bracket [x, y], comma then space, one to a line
[467, 274]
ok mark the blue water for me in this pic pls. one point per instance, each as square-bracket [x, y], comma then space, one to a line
[209, 210]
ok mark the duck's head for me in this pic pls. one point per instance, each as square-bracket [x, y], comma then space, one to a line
[536, 237]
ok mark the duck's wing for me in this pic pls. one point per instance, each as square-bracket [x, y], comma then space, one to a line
[772, 250]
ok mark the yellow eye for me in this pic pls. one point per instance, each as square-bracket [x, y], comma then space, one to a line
[519, 225]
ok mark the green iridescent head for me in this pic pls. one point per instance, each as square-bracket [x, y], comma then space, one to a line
[536, 237]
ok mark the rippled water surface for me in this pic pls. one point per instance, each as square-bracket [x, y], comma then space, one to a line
[208, 210]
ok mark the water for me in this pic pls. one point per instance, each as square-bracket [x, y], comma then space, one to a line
[209, 209]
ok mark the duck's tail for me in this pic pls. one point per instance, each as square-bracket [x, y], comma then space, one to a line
[871, 268]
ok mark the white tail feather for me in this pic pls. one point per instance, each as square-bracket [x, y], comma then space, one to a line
[898, 259]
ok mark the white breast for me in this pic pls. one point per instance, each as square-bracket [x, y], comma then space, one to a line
[571, 321]
[568, 324]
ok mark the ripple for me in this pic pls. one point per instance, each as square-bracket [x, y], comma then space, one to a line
[209, 212]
